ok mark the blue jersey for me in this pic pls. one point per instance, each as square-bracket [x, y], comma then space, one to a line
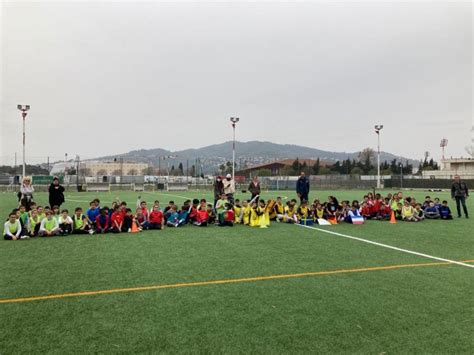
[92, 214]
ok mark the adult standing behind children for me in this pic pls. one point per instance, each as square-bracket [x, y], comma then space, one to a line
[460, 193]
[229, 188]
[302, 187]
[254, 188]
[56, 193]
[26, 193]
[218, 190]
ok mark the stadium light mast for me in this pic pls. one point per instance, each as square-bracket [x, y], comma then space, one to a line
[234, 121]
[24, 109]
[443, 144]
[78, 160]
[378, 128]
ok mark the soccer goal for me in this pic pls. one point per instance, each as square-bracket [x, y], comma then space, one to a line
[176, 186]
[97, 187]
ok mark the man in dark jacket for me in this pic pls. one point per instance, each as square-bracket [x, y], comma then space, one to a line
[56, 193]
[302, 187]
[254, 188]
[460, 193]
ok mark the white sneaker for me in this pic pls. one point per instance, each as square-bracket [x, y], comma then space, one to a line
[24, 237]
[91, 231]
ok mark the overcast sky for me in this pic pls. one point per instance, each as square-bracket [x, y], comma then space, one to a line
[109, 77]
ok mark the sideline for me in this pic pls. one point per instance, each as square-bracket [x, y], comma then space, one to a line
[389, 246]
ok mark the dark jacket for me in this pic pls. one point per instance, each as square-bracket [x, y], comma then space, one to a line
[56, 195]
[254, 190]
[302, 186]
[218, 189]
[459, 189]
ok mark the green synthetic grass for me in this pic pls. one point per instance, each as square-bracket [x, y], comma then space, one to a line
[425, 309]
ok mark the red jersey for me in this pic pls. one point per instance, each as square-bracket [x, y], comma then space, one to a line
[376, 207]
[116, 217]
[365, 211]
[156, 217]
[145, 213]
[202, 216]
[229, 216]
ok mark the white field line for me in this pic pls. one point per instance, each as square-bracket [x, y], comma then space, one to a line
[389, 246]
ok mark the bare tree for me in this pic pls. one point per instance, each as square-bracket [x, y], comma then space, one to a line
[367, 154]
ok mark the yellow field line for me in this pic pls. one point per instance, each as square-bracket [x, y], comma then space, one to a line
[219, 282]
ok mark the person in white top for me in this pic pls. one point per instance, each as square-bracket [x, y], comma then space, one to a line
[65, 223]
[229, 188]
[12, 228]
[26, 193]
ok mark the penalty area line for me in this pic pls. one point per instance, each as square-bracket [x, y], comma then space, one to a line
[388, 246]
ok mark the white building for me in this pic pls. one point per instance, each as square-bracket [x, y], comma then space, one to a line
[464, 167]
[104, 168]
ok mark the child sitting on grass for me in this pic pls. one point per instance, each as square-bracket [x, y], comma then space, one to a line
[238, 211]
[80, 224]
[49, 226]
[117, 220]
[226, 218]
[291, 212]
[65, 223]
[12, 228]
[173, 217]
[141, 219]
[398, 211]
[431, 212]
[384, 212]
[354, 212]
[156, 218]
[92, 213]
[212, 213]
[408, 213]
[246, 210]
[34, 223]
[127, 221]
[445, 211]
[202, 215]
[279, 210]
[102, 221]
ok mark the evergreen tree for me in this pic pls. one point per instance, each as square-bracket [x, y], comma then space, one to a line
[316, 167]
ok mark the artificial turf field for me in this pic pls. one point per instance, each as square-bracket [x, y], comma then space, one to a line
[357, 297]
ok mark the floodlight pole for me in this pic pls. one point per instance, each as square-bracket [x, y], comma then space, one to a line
[234, 120]
[23, 109]
[378, 128]
[78, 159]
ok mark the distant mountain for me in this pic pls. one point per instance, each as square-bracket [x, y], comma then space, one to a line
[248, 153]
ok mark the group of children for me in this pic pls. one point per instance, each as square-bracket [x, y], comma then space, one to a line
[119, 218]
[375, 207]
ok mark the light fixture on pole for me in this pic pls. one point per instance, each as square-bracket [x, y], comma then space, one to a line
[443, 144]
[378, 128]
[234, 121]
[23, 109]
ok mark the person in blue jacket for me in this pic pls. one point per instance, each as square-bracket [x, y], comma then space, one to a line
[302, 187]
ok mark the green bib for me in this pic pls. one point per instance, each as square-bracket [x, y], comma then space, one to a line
[78, 222]
[50, 224]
